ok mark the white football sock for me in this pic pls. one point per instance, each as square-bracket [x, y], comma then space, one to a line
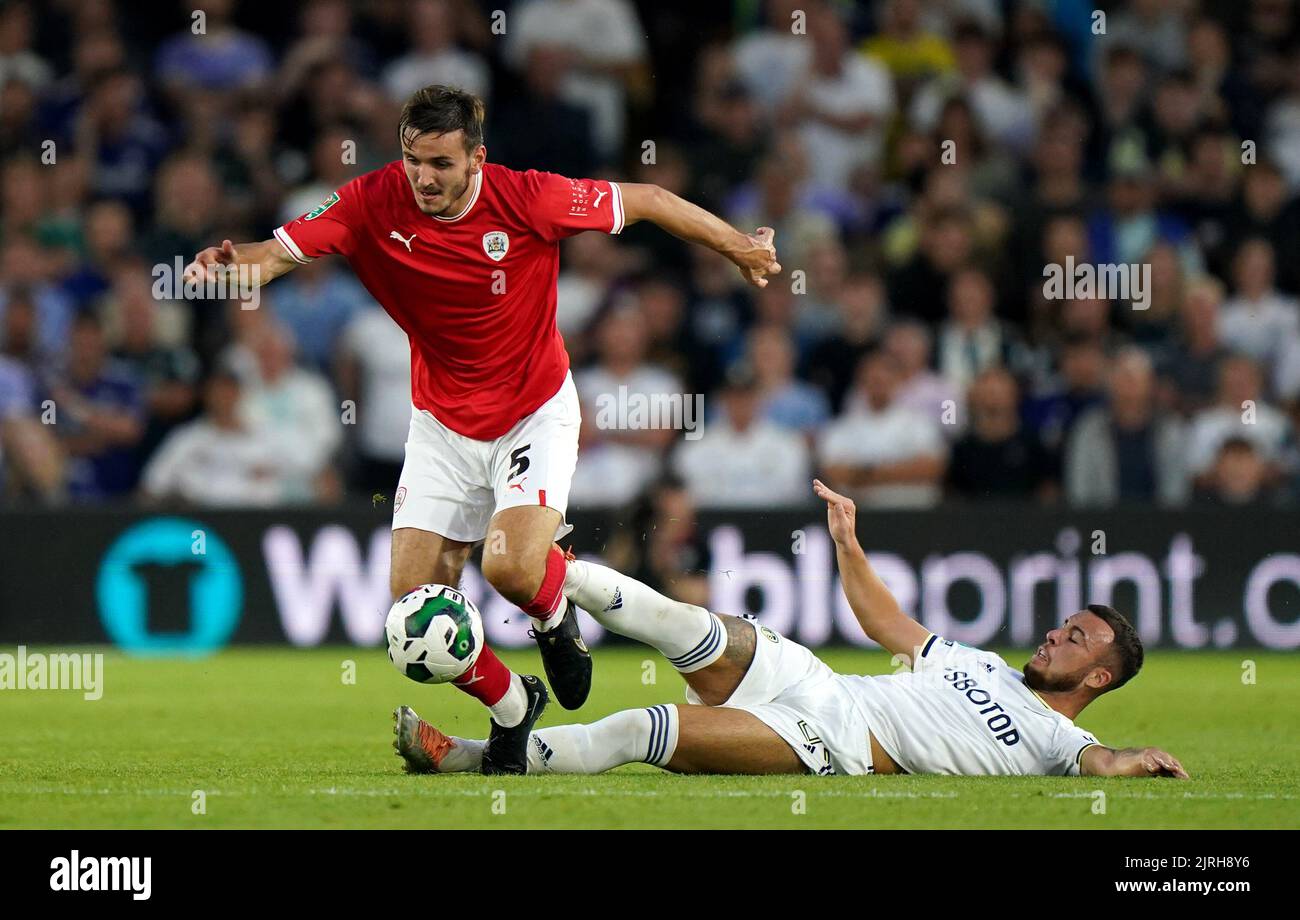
[464, 756]
[554, 619]
[690, 637]
[510, 710]
[631, 736]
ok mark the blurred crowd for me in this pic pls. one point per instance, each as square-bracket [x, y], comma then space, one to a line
[921, 163]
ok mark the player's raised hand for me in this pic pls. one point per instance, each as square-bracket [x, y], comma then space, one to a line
[1161, 763]
[209, 259]
[757, 259]
[841, 514]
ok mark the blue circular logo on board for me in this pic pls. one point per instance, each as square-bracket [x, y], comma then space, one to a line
[180, 548]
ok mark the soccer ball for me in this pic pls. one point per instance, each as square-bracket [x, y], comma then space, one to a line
[434, 634]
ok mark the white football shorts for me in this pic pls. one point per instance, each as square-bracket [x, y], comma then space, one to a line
[798, 696]
[452, 485]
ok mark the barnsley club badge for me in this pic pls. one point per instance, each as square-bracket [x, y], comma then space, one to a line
[495, 244]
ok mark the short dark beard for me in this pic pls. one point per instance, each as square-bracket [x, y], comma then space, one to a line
[1036, 680]
[452, 199]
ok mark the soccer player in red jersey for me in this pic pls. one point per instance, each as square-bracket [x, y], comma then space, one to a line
[464, 255]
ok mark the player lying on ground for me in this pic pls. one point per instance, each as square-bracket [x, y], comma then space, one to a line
[771, 706]
[464, 255]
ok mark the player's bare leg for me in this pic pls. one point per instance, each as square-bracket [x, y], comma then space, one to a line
[715, 684]
[422, 557]
[521, 560]
[714, 739]
[682, 739]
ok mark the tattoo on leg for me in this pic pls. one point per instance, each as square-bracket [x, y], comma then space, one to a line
[740, 640]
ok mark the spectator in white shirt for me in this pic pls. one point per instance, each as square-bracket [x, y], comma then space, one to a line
[298, 407]
[842, 102]
[374, 371]
[1004, 113]
[1282, 121]
[624, 402]
[1258, 319]
[1286, 374]
[884, 455]
[434, 57]
[770, 60]
[17, 59]
[1127, 450]
[606, 44]
[218, 459]
[972, 339]
[1240, 412]
[592, 263]
[1157, 29]
[743, 460]
[910, 344]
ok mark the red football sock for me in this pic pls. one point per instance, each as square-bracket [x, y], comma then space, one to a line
[487, 681]
[547, 601]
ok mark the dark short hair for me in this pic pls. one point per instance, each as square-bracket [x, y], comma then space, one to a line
[1236, 443]
[87, 319]
[439, 109]
[1126, 650]
[224, 373]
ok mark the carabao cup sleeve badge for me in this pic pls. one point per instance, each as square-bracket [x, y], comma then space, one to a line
[322, 207]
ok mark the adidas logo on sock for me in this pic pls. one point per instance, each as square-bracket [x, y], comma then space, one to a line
[542, 748]
[616, 603]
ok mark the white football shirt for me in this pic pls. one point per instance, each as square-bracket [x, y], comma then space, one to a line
[962, 711]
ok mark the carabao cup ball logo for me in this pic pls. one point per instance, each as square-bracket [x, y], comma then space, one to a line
[456, 626]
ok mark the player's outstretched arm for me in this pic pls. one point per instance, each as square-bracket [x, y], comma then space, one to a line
[269, 256]
[754, 255]
[875, 608]
[1099, 760]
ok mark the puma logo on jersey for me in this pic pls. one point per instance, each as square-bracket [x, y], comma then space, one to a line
[599, 195]
[394, 235]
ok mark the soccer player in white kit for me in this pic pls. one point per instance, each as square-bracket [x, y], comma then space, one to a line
[765, 704]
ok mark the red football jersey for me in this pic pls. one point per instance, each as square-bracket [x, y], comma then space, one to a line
[475, 293]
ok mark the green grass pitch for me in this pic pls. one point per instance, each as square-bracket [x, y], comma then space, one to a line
[276, 738]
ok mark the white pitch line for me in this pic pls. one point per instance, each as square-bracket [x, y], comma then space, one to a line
[639, 793]
[874, 793]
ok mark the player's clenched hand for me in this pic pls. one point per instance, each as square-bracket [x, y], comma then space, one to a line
[206, 261]
[841, 514]
[757, 257]
[1161, 763]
